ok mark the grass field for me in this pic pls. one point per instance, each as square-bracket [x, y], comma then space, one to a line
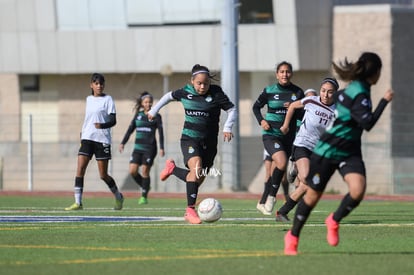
[38, 237]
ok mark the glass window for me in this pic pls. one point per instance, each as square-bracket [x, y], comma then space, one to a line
[256, 11]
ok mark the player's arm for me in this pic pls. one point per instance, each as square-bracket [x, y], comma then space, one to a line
[361, 111]
[110, 123]
[258, 105]
[290, 114]
[228, 125]
[160, 129]
[164, 100]
[128, 133]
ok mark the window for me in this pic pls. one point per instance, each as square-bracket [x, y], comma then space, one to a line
[29, 83]
[256, 11]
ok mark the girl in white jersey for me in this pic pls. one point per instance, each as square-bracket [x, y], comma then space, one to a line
[319, 114]
[100, 116]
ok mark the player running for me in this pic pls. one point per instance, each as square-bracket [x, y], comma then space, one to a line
[340, 147]
[319, 114]
[202, 103]
[145, 146]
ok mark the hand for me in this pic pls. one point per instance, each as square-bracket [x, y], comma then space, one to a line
[228, 136]
[389, 94]
[284, 129]
[162, 153]
[150, 117]
[121, 148]
[265, 125]
[97, 125]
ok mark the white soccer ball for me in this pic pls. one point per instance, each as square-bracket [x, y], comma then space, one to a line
[209, 210]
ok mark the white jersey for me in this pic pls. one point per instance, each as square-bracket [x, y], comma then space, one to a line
[315, 120]
[98, 109]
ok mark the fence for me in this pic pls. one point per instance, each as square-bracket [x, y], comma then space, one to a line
[40, 152]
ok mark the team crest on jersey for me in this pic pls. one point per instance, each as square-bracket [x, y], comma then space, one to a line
[316, 179]
[277, 145]
[294, 97]
[276, 97]
[209, 98]
[139, 117]
[190, 149]
[190, 96]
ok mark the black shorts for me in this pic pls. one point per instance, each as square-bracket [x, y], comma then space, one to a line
[102, 151]
[142, 158]
[321, 170]
[266, 156]
[300, 152]
[206, 149]
[274, 144]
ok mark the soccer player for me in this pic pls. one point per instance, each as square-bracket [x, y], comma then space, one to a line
[100, 117]
[340, 147]
[277, 97]
[145, 146]
[202, 103]
[319, 114]
[292, 170]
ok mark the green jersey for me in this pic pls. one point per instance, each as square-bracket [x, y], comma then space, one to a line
[353, 115]
[275, 97]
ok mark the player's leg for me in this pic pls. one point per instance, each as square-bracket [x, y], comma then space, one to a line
[320, 172]
[354, 175]
[146, 183]
[134, 164]
[84, 155]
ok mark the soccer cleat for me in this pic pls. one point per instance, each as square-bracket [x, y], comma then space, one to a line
[74, 206]
[119, 203]
[142, 200]
[291, 244]
[261, 208]
[270, 203]
[191, 216]
[168, 169]
[281, 217]
[332, 228]
[292, 172]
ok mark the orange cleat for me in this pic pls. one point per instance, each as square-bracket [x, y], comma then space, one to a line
[291, 244]
[332, 227]
[191, 216]
[168, 169]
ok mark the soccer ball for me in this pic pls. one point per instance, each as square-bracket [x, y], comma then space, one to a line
[209, 210]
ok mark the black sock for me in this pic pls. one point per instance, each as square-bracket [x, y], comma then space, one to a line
[265, 191]
[289, 205]
[110, 182]
[180, 173]
[112, 185]
[276, 178]
[285, 186]
[302, 213]
[346, 206]
[138, 179]
[192, 193]
[78, 189]
[145, 186]
[79, 182]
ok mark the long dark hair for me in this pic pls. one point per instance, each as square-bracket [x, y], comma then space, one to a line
[138, 102]
[368, 65]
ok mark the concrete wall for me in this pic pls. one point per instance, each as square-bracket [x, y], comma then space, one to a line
[370, 28]
[31, 42]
